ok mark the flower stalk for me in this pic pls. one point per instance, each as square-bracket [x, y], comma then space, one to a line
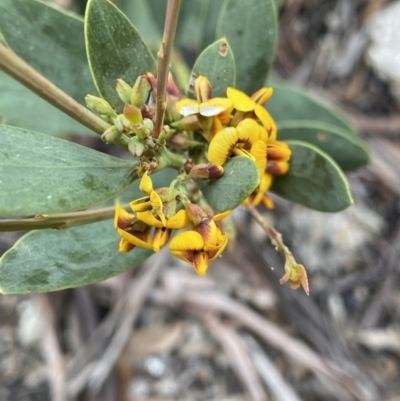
[163, 58]
[294, 273]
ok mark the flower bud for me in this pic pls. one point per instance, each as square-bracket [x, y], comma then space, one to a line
[202, 89]
[277, 168]
[196, 214]
[133, 114]
[123, 124]
[189, 123]
[181, 141]
[100, 106]
[164, 134]
[111, 134]
[206, 171]
[135, 147]
[148, 124]
[124, 90]
[172, 88]
[140, 91]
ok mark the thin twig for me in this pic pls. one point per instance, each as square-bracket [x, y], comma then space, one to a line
[59, 221]
[14, 66]
[163, 58]
[52, 350]
[94, 362]
[295, 272]
[213, 301]
[235, 349]
[281, 390]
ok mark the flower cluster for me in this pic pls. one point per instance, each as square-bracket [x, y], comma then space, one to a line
[239, 125]
[209, 131]
[156, 215]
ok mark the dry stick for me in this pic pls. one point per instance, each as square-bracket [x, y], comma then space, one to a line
[51, 350]
[268, 372]
[163, 58]
[102, 351]
[294, 349]
[14, 66]
[237, 354]
[59, 221]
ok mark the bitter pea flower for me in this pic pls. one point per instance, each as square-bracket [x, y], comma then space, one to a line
[203, 243]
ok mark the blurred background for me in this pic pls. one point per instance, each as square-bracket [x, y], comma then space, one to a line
[163, 333]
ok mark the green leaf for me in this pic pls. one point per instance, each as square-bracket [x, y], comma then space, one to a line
[140, 14]
[41, 174]
[51, 41]
[240, 179]
[251, 29]
[209, 24]
[347, 152]
[302, 116]
[216, 62]
[313, 180]
[51, 260]
[21, 107]
[114, 49]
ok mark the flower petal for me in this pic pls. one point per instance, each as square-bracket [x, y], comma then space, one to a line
[122, 219]
[221, 248]
[187, 107]
[221, 145]
[187, 241]
[278, 168]
[149, 218]
[214, 106]
[141, 204]
[178, 221]
[160, 238]
[278, 152]
[262, 95]
[125, 246]
[248, 131]
[145, 183]
[265, 118]
[157, 205]
[200, 262]
[240, 100]
[221, 216]
[142, 239]
[258, 151]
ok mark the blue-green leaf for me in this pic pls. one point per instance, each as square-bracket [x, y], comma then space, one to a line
[52, 260]
[313, 180]
[114, 49]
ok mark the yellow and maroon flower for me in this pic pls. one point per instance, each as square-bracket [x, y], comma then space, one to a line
[162, 231]
[203, 243]
[153, 201]
[253, 107]
[247, 139]
[133, 232]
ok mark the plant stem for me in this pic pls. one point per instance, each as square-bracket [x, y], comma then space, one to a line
[163, 58]
[59, 221]
[14, 66]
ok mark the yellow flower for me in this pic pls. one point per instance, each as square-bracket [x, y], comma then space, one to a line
[202, 244]
[247, 139]
[254, 105]
[133, 232]
[204, 105]
[162, 230]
